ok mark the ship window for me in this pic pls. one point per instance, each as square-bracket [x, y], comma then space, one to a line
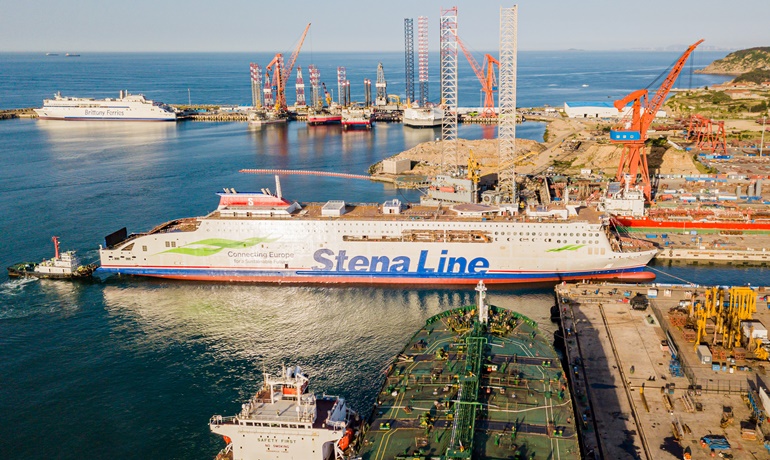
[144, 248]
[292, 426]
[274, 425]
[173, 244]
[168, 245]
[602, 251]
[590, 251]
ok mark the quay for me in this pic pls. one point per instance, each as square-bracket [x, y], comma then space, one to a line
[661, 371]
[17, 113]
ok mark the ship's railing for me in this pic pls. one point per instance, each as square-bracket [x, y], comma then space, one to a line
[221, 420]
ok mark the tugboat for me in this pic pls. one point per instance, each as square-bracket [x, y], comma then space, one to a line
[64, 265]
[283, 420]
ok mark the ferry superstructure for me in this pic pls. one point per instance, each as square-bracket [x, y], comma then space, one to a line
[127, 107]
[284, 421]
[262, 237]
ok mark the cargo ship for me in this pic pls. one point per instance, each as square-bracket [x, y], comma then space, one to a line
[475, 382]
[263, 237]
[127, 107]
[323, 118]
[284, 420]
[628, 210]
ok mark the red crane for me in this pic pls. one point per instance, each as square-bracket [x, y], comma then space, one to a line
[486, 76]
[282, 72]
[632, 131]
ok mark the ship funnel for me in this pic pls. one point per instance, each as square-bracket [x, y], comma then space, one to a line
[278, 192]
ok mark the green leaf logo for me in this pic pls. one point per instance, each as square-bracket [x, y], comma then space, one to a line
[212, 246]
[569, 247]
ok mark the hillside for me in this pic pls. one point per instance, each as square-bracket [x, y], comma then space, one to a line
[740, 62]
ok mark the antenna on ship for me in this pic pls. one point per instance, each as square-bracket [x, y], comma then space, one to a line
[278, 192]
[483, 307]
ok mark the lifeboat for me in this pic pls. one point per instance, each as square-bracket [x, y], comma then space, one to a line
[344, 442]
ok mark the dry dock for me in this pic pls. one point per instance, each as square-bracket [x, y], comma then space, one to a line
[640, 387]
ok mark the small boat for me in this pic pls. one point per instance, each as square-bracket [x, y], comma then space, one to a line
[64, 265]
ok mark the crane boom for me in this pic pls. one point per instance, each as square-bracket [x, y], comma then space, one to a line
[632, 131]
[293, 59]
[487, 81]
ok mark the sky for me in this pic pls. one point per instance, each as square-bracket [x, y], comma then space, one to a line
[373, 25]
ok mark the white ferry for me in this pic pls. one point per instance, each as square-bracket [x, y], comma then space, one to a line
[423, 117]
[127, 107]
[263, 237]
[284, 421]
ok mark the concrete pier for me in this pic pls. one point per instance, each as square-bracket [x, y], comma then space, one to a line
[634, 400]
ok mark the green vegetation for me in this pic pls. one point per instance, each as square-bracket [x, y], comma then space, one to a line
[719, 97]
[703, 169]
[755, 76]
[562, 164]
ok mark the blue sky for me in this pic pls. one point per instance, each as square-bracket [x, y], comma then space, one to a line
[258, 25]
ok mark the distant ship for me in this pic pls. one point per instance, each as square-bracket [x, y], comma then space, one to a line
[423, 117]
[356, 117]
[51, 54]
[127, 107]
[72, 55]
[323, 117]
[284, 421]
[263, 117]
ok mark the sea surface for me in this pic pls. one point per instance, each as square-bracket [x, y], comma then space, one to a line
[134, 368]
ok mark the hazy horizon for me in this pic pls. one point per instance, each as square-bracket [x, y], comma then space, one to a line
[338, 26]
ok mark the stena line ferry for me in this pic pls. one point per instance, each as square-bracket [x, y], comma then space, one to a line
[263, 237]
[127, 107]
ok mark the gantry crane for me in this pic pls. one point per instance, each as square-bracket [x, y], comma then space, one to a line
[486, 76]
[632, 131]
[282, 72]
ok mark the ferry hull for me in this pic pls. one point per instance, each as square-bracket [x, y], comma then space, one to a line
[296, 277]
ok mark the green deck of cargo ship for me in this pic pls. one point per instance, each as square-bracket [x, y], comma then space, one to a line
[466, 388]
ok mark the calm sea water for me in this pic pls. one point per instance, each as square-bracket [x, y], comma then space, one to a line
[129, 368]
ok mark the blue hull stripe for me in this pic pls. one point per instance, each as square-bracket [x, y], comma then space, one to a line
[234, 273]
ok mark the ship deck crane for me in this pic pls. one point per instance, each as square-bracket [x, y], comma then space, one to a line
[283, 72]
[632, 131]
[486, 76]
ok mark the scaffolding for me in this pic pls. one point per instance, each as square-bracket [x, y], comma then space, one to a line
[409, 58]
[506, 120]
[422, 58]
[382, 87]
[268, 91]
[367, 92]
[448, 34]
[341, 93]
[300, 86]
[315, 86]
[256, 85]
